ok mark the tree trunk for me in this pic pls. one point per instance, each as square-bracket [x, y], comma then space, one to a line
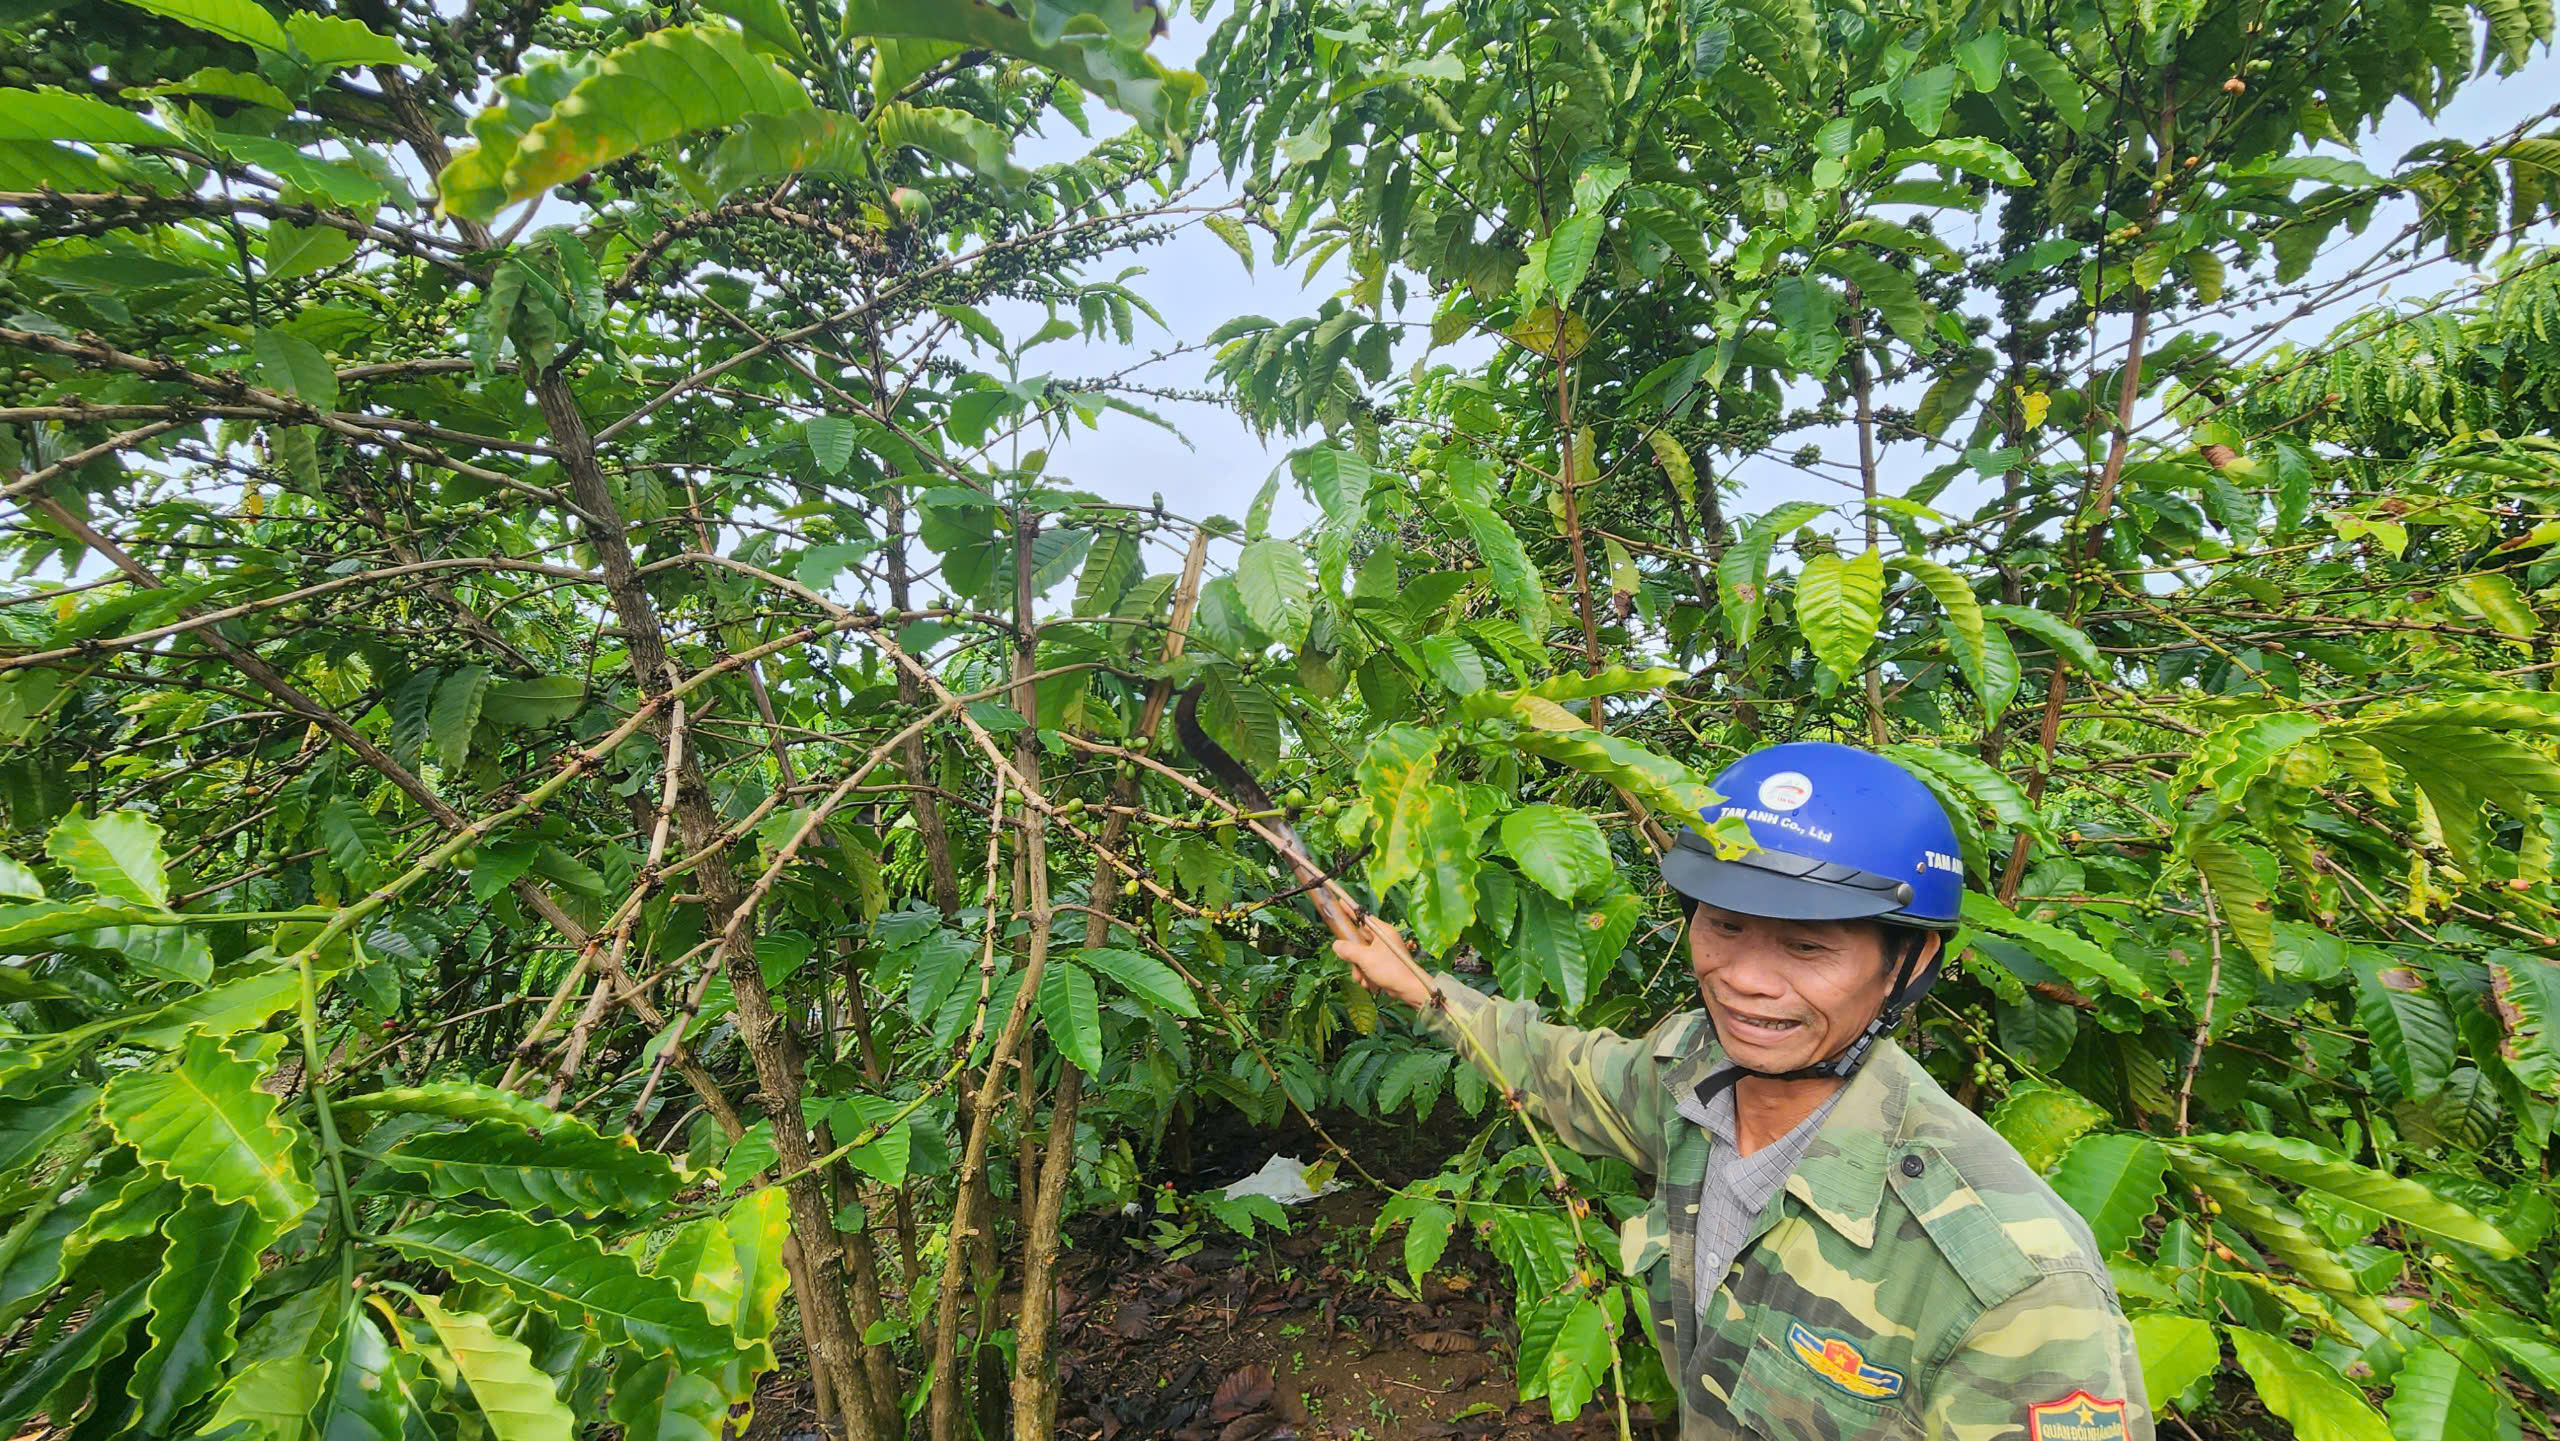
[771, 1045]
[1872, 679]
[1035, 1371]
[2093, 538]
[813, 1257]
[968, 1218]
[911, 755]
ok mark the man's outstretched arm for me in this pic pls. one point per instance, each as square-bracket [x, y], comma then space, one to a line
[1594, 1088]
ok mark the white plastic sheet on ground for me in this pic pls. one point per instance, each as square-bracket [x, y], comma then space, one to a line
[1283, 1179]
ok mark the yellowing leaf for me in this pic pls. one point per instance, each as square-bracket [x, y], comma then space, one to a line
[1545, 714]
[1838, 603]
[1552, 333]
[519, 1399]
[1396, 770]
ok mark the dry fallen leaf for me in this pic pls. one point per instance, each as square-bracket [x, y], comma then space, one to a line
[1134, 1321]
[1248, 1388]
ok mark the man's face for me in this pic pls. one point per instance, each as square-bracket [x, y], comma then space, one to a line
[1785, 994]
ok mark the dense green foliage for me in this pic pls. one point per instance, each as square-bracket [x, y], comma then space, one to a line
[578, 765]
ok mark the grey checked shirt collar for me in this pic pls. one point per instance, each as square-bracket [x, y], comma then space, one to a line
[1737, 1187]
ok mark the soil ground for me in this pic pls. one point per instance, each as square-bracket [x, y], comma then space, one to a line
[1312, 1335]
[1303, 1339]
[1296, 1337]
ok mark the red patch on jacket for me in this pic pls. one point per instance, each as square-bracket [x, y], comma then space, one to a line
[2077, 1417]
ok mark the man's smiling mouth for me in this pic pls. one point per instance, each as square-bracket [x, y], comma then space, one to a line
[1760, 1028]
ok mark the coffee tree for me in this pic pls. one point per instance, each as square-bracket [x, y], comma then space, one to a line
[2224, 653]
[457, 493]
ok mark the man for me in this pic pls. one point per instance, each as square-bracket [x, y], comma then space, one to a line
[1836, 1250]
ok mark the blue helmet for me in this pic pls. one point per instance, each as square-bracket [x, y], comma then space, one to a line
[1844, 835]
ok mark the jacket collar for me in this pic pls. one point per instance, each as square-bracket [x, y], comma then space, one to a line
[1841, 1178]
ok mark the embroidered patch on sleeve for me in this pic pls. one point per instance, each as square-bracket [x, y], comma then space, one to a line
[2076, 1417]
[1843, 1365]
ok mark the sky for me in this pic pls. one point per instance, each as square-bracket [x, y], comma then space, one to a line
[1198, 284]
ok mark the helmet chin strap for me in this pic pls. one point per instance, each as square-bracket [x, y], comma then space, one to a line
[1905, 994]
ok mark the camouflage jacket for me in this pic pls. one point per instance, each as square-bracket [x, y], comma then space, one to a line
[1913, 1281]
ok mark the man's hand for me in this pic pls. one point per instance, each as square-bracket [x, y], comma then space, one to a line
[1382, 961]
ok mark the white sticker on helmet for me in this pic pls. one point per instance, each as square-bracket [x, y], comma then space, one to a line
[1786, 790]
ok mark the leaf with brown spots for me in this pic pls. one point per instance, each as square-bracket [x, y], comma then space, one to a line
[2525, 990]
